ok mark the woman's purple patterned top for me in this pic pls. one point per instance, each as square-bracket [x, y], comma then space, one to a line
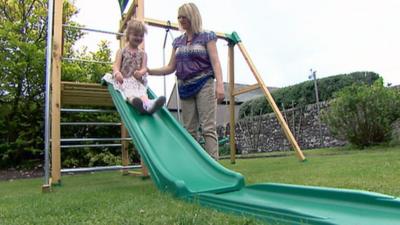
[192, 59]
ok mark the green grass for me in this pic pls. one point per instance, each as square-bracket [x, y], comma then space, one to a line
[110, 198]
[101, 198]
[375, 169]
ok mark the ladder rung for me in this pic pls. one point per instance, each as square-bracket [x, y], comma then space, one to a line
[90, 123]
[90, 146]
[99, 168]
[94, 139]
[89, 110]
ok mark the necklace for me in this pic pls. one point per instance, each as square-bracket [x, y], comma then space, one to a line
[189, 39]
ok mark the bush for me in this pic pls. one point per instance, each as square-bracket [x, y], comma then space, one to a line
[363, 114]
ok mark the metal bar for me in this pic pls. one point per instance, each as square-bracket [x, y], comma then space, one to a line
[47, 94]
[178, 100]
[90, 124]
[86, 60]
[164, 77]
[314, 77]
[93, 30]
[90, 146]
[89, 110]
[94, 139]
[99, 168]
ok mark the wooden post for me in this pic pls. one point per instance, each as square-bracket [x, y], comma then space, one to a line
[271, 101]
[55, 93]
[231, 76]
[124, 149]
[139, 15]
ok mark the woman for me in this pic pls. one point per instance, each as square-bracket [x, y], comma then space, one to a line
[195, 59]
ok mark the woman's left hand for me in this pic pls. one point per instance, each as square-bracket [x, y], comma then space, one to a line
[219, 92]
[138, 74]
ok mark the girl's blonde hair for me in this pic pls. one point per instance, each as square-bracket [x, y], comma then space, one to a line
[135, 27]
[192, 13]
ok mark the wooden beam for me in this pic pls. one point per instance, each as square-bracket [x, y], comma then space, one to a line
[272, 103]
[124, 149]
[161, 24]
[55, 93]
[246, 89]
[231, 76]
[174, 26]
[73, 93]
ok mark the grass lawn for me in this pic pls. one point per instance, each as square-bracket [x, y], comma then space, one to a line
[109, 198]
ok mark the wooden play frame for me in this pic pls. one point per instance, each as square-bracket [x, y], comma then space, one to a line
[72, 93]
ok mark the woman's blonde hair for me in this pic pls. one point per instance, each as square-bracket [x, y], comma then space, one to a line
[192, 13]
[135, 27]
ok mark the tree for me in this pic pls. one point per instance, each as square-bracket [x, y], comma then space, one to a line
[87, 71]
[23, 30]
[22, 44]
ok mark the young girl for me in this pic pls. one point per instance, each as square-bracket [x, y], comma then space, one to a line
[130, 68]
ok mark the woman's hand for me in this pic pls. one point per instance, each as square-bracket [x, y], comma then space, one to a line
[219, 92]
[138, 74]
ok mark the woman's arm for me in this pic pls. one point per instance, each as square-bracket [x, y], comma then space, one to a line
[213, 54]
[168, 69]
[117, 66]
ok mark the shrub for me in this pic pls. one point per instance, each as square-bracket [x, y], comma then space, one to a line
[363, 114]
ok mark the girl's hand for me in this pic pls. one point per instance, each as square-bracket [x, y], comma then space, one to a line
[118, 77]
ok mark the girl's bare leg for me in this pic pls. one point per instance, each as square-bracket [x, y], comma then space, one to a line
[144, 98]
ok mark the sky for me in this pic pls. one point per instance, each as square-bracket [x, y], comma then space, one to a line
[284, 38]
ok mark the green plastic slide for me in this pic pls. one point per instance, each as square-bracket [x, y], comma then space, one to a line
[178, 164]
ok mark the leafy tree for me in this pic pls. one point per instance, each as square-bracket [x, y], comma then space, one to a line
[22, 44]
[23, 30]
[363, 114]
[88, 71]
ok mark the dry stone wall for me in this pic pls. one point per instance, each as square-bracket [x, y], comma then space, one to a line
[264, 134]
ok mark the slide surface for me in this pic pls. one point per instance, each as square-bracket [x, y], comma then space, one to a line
[179, 165]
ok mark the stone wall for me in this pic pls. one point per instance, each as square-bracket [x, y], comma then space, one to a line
[395, 133]
[264, 134]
